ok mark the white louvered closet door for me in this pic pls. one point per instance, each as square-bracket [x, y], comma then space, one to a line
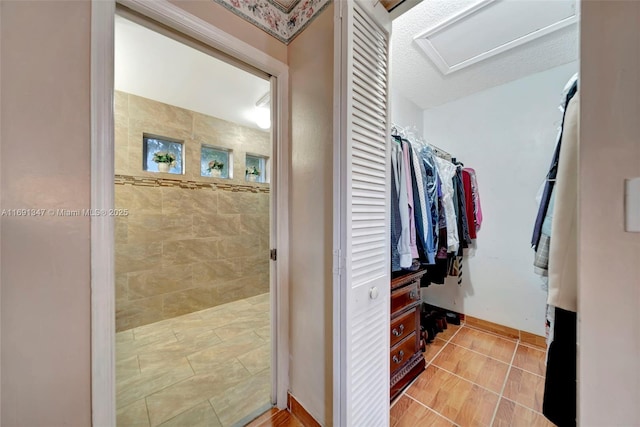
[364, 263]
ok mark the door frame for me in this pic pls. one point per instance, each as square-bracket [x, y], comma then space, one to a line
[103, 400]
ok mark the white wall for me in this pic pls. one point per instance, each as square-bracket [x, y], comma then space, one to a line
[609, 258]
[46, 317]
[405, 113]
[507, 134]
[311, 214]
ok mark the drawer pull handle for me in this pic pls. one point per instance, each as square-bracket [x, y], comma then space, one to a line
[398, 360]
[397, 332]
[413, 294]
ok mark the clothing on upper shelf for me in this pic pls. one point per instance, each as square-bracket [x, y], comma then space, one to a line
[432, 212]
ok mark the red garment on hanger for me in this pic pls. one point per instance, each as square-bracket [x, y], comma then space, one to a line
[469, 202]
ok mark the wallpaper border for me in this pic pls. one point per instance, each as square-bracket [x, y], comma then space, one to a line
[274, 20]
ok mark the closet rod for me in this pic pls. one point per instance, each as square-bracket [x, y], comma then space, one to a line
[395, 129]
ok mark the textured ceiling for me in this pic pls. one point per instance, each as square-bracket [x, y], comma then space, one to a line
[417, 78]
[154, 66]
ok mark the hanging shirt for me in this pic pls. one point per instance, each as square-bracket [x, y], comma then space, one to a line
[446, 171]
[431, 187]
[477, 208]
[469, 203]
[396, 224]
[463, 223]
[404, 251]
[423, 210]
[407, 173]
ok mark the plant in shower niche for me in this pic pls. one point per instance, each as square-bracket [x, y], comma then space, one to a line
[253, 171]
[215, 165]
[164, 157]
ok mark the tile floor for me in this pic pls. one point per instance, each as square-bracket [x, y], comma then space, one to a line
[276, 418]
[475, 378]
[210, 368]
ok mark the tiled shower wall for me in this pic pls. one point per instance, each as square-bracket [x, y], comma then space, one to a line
[188, 242]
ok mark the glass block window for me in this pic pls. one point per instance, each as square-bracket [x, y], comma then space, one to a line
[161, 148]
[216, 162]
[256, 168]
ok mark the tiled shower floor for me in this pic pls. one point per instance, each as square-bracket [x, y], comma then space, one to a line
[475, 378]
[209, 368]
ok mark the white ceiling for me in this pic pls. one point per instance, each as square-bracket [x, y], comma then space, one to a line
[154, 66]
[493, 45]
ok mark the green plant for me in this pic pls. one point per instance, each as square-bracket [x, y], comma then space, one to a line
[214, 164]
[164, 157]
[253, 171]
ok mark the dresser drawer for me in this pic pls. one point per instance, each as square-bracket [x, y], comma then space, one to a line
[402, 352]
[404, 297]
[403, 326]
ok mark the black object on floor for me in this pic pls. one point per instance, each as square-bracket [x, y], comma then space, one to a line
[559, 404]
[453, 318]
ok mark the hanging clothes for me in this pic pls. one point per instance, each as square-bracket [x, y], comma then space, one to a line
[560, 391]
[429, 215]
[398, 166]
[563, 252]
[432, 179]
[477, 208]
[423, 210]
[469, 203]
[409, 182]
[446, 171]
[396, 223]
[572, 87]
[463, 222]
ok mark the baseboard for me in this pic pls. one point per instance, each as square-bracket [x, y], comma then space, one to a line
[533, 339]
[496, 328]
[298, 411]
[505, 331]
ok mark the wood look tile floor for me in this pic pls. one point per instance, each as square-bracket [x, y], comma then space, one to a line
[475, 378]
[205, 369]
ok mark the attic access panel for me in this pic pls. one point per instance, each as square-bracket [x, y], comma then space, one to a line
[491, 27]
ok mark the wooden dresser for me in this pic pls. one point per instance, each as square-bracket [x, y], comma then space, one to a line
[406, 359]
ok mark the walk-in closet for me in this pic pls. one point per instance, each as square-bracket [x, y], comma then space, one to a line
[483, 198]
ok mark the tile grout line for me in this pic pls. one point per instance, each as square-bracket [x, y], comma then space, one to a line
[524, 406]
[147, 408]
[445, 344]
[504, 384]
[465, 379]
[529, 372]
[496, 359]
[533, 347]
[214, 411]
[432, 410]
[427, 363]
[480, 353]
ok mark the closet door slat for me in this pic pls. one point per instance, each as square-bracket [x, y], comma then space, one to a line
[367, 202]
